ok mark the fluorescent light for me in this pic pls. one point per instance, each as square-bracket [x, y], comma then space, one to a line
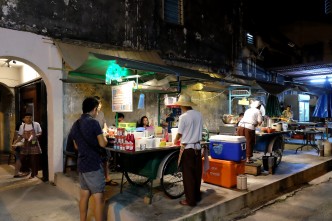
[132, 76]
[236, 85]
[320, 80]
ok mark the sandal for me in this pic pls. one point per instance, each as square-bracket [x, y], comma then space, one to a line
[20, 175]
[111, 183]
[184, 203]
[250, 162]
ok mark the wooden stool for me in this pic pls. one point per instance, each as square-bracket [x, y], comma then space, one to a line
[253, 169]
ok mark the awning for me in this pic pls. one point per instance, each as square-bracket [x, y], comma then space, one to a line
[90, 65]
[75, 55]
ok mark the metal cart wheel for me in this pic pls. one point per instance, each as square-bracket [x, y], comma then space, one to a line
[278, 148]
[171, 180]
[135, 179]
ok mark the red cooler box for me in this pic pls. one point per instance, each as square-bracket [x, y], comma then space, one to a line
[223, 172]
[225, 147]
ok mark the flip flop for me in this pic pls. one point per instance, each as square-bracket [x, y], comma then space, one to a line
[184, 203]
[111, 183]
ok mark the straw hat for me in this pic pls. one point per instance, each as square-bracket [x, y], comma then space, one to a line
[184, 100]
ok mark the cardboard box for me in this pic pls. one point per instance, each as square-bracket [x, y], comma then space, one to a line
[224, 147]
[223, 172]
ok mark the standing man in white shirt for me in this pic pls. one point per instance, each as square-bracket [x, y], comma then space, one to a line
[246, 127]
[190, 132]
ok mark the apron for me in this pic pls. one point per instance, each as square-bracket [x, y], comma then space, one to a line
[30, 147]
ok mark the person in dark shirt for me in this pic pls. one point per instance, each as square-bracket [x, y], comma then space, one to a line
[88, 138]
[144, 122]
[120, 119]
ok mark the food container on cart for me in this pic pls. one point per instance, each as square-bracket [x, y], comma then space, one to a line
[225, 147]
[223, 172]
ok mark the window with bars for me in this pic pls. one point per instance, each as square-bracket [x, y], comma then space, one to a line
[250, 39]
[327, 7]
[173, 11]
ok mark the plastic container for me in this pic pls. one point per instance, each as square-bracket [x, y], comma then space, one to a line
[157, 141]
[174, 133]
[138, 134]
[226, 147]
[241, 182]
[149, 143]
[223, 172]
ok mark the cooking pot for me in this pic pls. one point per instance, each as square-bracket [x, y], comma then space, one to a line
[229, 119]
[272, 121]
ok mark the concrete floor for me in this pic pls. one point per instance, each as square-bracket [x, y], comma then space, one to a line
[23, 199]
[217, 202]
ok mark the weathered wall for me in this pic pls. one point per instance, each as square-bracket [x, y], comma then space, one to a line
[74, 94]
[211, 105]
[206, 36]
[41, 54]
[116, 22]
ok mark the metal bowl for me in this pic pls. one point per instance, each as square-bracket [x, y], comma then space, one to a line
[229, 119]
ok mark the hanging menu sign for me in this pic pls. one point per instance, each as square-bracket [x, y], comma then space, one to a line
[122, 97]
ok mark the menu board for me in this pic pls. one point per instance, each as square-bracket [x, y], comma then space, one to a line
[122, 97]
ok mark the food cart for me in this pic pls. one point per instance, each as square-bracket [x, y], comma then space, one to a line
[141, 167]
[144, 166]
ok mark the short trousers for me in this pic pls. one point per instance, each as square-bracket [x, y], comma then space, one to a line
[93, 181]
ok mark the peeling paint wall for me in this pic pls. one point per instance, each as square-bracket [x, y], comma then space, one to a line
[206, 36]
[211, 105]
[120, 23]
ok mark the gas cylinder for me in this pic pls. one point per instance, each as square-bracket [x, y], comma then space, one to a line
[327, 149]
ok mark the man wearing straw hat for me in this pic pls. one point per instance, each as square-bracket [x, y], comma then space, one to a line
[190, 158]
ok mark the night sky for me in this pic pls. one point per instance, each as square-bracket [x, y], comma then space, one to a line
[282, 12]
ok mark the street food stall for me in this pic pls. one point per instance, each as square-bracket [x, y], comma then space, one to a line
[144, 166]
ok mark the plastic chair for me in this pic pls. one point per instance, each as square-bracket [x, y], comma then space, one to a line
[69, 155]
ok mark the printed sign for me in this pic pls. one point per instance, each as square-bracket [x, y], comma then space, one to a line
[122, 97]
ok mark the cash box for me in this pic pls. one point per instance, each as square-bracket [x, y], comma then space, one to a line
[223, 172]
[225, 147]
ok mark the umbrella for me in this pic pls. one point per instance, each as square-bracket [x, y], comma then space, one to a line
[324, 103]
[273, 106]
